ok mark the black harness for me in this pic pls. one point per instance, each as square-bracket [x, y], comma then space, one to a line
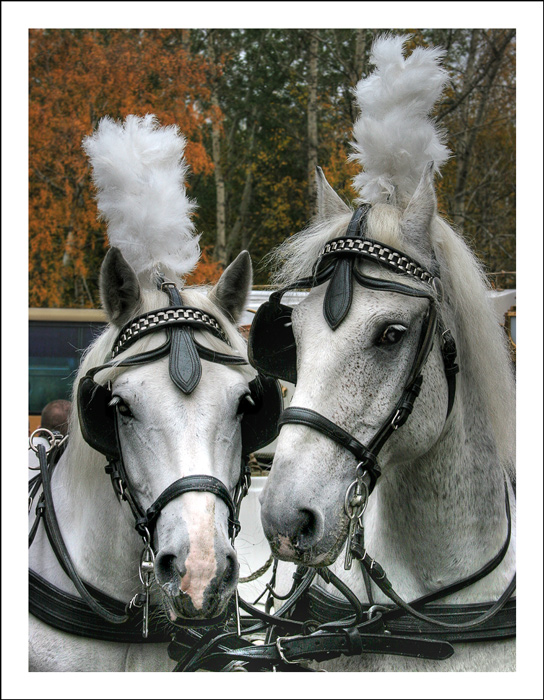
[310, 624]
[272, 349]
[98, 416]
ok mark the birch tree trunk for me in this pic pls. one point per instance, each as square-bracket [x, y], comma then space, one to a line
[312, 121]
[220, 250]
[240, 232]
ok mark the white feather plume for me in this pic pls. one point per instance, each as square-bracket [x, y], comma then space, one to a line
[394, 136]
[139, 172]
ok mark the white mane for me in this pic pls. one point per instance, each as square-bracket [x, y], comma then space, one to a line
[139, 172]
[394, 137]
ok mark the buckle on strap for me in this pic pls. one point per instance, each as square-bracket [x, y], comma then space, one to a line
[279, 640]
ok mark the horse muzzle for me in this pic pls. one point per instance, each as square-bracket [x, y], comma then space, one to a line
[196, 589]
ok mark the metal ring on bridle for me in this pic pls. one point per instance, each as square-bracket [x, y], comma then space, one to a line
[50, 436]
[356, 506]
[147, 565]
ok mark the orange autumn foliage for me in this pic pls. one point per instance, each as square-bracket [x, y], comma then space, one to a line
[207, 271]
[77, 77]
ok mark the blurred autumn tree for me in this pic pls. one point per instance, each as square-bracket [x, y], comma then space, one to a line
[77, 77]
[259, 107]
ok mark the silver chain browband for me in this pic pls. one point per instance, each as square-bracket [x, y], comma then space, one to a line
[165, 317]
[379, 252]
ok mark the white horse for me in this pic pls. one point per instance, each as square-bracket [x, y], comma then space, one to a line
[437, 513]
[164, 433]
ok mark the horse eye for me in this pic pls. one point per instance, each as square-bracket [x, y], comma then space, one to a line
[246, 404]
[391, 335]
[122, 407]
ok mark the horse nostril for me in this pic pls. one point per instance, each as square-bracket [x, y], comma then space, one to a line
[165, 569]
[310, 529]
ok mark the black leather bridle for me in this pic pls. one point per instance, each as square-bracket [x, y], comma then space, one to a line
[185, 371]
[272, 326]
[336, 264]
[98, 415]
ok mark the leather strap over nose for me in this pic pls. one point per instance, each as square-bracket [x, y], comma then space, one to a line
[196, 482]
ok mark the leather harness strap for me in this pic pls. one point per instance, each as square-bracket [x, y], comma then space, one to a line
[323, 607]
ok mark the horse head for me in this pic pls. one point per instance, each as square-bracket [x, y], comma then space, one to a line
[164, 434]
[395, 295]
[167, 394]
[356, 383]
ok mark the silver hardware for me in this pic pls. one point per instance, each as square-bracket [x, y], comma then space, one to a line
[355, 506]
[394, 423]
[165, 318]
[49, 436]
[373, 566]
[145, 572]
[279, 640]
[380, 252]
[134, 602]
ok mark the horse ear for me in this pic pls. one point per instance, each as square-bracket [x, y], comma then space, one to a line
[420, 211]
[231, 292]
[329, 203]
[119, 288]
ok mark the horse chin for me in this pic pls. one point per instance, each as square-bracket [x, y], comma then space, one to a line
[323, 553]
[186, 605]
[180, 608]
